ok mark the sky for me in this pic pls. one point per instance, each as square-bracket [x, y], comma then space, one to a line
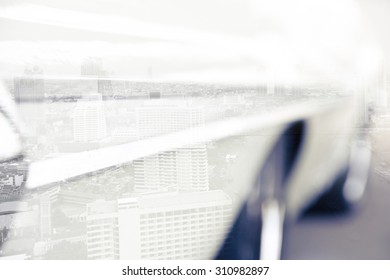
[210, 41]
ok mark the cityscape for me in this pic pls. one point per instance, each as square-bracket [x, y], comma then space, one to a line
[177, 204]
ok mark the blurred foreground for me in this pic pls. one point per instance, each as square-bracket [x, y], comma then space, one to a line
[360, 234]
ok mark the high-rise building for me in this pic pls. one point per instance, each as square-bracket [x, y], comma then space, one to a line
[156, 118]
[89, 122]
[102, 230]
[105, 87]
[173, 225]
[96, 77]
[45, 216]
[30, 86]
[92, 67]
[183, 169]
[76, 198]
